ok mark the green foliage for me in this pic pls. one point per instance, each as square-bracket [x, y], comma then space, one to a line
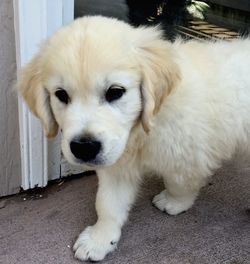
[197, 8]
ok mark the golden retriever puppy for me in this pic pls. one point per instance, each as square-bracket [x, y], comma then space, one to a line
[129, 102]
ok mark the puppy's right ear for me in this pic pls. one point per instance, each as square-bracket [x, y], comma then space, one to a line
[159, 71]
[30, 86]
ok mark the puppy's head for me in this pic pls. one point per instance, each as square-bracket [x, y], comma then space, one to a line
[96, 79]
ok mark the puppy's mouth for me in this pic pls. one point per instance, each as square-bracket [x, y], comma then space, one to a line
[91, 164]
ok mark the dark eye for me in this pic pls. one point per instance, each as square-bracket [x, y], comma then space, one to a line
[114, 92]
[62, 95]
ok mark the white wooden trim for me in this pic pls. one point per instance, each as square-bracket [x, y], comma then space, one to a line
[68, 11]
[34, 22]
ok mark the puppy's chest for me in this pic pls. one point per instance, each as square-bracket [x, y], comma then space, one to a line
[156, 155]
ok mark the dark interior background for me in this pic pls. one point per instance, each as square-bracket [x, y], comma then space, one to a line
[234, 15]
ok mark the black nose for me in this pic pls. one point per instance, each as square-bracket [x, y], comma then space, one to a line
[85, 149]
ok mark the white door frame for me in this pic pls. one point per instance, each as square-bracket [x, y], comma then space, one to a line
[35, 20]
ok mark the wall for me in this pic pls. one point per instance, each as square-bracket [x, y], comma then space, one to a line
[10, 163]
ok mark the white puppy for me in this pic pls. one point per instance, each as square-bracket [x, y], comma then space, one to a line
[129, 102]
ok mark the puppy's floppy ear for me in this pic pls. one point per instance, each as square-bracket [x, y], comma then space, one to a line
[159, 71]
[30, 86]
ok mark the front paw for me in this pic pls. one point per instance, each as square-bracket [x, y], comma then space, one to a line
[95, 242]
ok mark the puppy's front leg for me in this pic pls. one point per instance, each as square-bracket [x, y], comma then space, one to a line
[115, 196]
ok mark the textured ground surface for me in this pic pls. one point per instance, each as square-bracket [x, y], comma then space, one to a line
[36, 229]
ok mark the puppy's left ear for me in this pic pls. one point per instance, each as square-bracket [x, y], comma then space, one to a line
[30, 86]
[159, 71]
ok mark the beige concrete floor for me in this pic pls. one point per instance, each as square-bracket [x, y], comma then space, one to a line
[41, 227]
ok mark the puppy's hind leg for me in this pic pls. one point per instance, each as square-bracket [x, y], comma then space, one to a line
[177, 197]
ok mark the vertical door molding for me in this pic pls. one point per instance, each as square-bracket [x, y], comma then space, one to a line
[34, 22]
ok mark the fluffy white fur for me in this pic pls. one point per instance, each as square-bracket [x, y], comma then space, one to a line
[186, 109]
